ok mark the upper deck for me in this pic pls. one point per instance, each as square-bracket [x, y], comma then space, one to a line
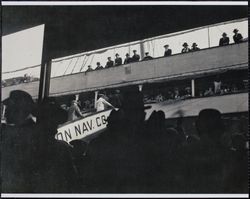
[178, 66]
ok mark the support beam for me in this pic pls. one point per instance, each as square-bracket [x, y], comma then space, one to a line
[193, 87]
[96, 95]
[140, 87]
[42, 83]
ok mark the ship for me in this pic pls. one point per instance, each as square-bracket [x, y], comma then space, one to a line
[156, 78]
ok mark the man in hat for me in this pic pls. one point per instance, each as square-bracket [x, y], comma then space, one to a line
[17, 143]
[135, 57]
[185, 48]
[147, 57]
[89, 69]
[237, 36]
[194, 47]
[168, 51]
[109, 63]
[74, 111]
[224, 40]
[102, 102]
[98, 66]
[118, 60]
[127, 60]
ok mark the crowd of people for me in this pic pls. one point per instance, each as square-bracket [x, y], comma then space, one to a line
[131, 156]
[238, 38]
[212, 86]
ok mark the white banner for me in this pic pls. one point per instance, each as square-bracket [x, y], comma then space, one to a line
[83, 127]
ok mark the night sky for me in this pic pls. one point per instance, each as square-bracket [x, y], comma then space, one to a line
[75, 29]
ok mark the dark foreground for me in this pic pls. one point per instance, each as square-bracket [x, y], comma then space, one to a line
[205, 154]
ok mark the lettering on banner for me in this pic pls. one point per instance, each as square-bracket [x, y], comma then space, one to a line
[82, 128]
[67, 134]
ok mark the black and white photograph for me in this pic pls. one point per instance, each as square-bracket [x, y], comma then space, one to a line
[103, 98]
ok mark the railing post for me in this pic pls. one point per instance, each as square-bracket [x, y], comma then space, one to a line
[140, 87]
[96, 95]
[193, 87]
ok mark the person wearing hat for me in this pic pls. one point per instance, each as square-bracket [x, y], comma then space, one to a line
[118, 60]
[147, 57]
[237, 36]
[74, 111]
[135, 57]
[127, 60]
[17, 143]
[98, 66]
[185, 48]
[224, 40]
[89, 68]
[19, 107]
[168, 51]
[109, 63]
[102, 102]
[194, 47]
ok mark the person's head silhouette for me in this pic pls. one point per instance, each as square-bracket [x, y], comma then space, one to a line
[19, 106]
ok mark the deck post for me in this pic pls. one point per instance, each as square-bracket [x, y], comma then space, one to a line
[193, 87]
[96, 95]
[140, 87]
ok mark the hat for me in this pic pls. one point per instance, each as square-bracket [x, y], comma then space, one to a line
[166, 45]
[224, 34]
[19, 95]
[134, 50]
[235, 30]
[116, 54]
[109, 57]
[185, 44]
[194, 44]
[101, 95]
[146, 53]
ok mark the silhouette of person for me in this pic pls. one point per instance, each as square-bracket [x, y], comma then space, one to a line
[224, 40]
[55, 170]
[17, 147]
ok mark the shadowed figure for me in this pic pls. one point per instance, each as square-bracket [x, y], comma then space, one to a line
[55, 170]
[115, 161]
[17, 144]
[206, 163]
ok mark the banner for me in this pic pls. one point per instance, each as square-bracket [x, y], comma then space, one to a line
[83, 127]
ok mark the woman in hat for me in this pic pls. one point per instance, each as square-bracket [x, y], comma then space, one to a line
[185, 48]
[224, 40]
[237, 36]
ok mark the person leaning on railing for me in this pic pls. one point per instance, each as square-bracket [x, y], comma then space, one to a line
[135, 57]
[185, 48]
[224, 40]
[237, 36]
[118, 60]
[109, 63]
[98, 66]
[128, 59]
[147, 57]
[168, 51]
